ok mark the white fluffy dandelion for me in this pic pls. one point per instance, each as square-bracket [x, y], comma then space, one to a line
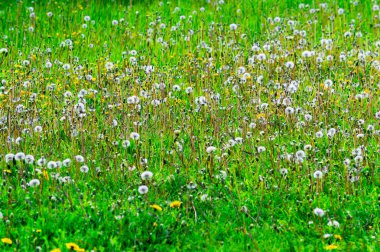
[318, 174]
[135, 136]
[143, 189]
[79, 158]
[34, 183]
[146, 175]
[210, 149]
[319, 212]
[84, 169]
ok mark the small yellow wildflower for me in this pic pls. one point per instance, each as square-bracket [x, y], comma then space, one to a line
[45, 174]
[6, 241]
[176, 204]
[38, 231]
[338, 237]
[259, 116]
[56, 250]
[74, 247]
[331, 247]
[157, 207]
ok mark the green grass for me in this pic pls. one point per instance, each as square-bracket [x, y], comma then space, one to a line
[233, 199]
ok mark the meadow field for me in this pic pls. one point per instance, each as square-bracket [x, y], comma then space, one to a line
[208, 125]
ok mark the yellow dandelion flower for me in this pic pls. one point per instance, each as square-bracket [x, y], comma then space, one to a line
[331, 247]
[338, 237]
[176, 204]
[259, 116]
[6, 241]
[38, 231]
[74, 247]
[45, 174]
[157, 207]
[56, 250]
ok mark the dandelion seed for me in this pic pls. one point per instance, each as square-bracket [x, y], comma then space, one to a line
[210, 149]
[132, 168]
[146, 175]
[79, 158]
[252, 125]
[346, 162]
[319, 212]
[109, 65]
[66, 67]
[377, 115]
[3, 51]
[9, 157]
[29, 159]
[331, 132]
[333, 223]
[360, 135]
[52, 165]
[289, 110]
[358, 159]
[244, 209]
[223, 174]
[133, 100]
[19, 156]
[126, 144]
[135, 136]
[59, 164]
[284, 171]
[66, 162]
[143, 189]
[261, 149]
[289, 64]
[41, 162]
[34, 183]
[318, 174]
[84, 169]
[176, 88]
[38, 129]
[191, 186]
[189, 90]
[205, 197]
[300, 154]
[319, 134]
[48, 64]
